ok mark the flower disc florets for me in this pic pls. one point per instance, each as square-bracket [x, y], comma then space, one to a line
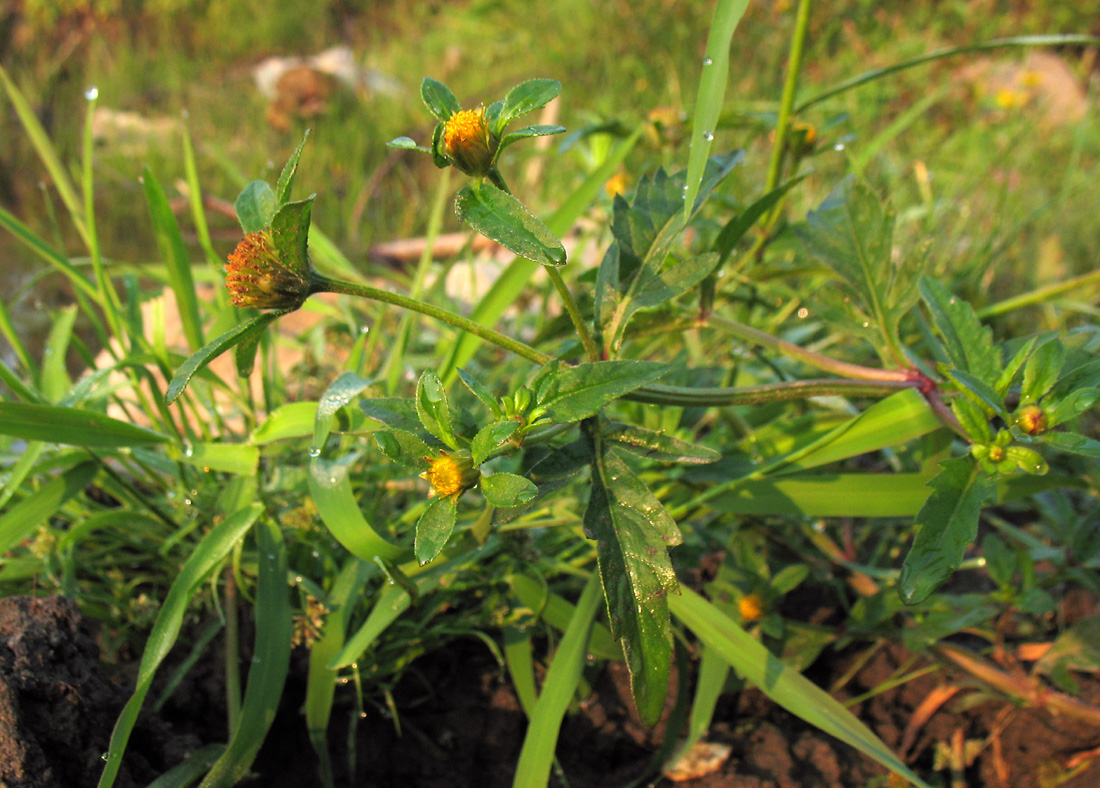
[450, 475]
[468, 143]
[256, 277]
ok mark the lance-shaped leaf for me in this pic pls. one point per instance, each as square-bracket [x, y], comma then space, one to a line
[946, 526]
[632, 532]
[656, 445]
[286, 177]
[434, 528]
[527, 97]
[239, 333]
[852, 233]
[528, 131]
[1042, 371]
[290, 234]
[396, 412]
[433, 408]
[404, 448]
[501, 217]
[255, 206]
[489, 438]
[967, 343]
[71, 426]
[439, 99]
[575, 393]
[506, 490]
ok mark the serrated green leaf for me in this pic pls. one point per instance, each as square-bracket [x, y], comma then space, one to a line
[946, 525]
[1072, 442]
[212, 350]
[972, 419]
[501, 217]
[980, 392]
[404, 447]
[489, 438]
[286, 177]
[477, 388]
[255, 206]
[434, 528]
[439, 99]
[526, 97]
[338, 394]
[1042, 371]
[433, 409]
[506, 490]
[852, 233]
[1072, 406]
[394, 412]
[574, 393]
[967, 343]
[656, 445]
[71, 426]
[633, 532]
[1012, 368]
[528, 131]
[290, 234]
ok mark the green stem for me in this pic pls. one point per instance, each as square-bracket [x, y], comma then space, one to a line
[791, 350]
[786, 102]
[322, 284]
[559, 284]
[574, 314]
[767, 392]
[1040, 295]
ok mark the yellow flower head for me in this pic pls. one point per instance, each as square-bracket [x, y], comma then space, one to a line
[751, 607]
[450, 475]
[468, 143]
[256, 277]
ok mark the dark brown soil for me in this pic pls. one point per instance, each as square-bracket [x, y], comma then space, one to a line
[461, 725]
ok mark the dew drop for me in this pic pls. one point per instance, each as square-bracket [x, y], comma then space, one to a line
[105, 756]
[362, 715]
[708, 136]
[708, 61]
[332, 480]
[866, 324]
[803, 313]
[364, 329]
[298, 578]
[188, 450]
[314, 451]
[186, 501]
[91, 93]
[839, 146]
[315, 554]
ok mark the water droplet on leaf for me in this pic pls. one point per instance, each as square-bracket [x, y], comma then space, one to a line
[708, 61]
[91, 93]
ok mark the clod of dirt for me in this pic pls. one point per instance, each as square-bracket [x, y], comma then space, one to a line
[57, 707]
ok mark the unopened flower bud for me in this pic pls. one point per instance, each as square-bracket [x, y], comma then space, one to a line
[468, 143]
[1032, 420]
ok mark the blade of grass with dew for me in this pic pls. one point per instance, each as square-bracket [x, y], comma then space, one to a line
[54, 380]
[293, 420]
[71, 426]
[392, 602]
[785, 686]
[192, 768]
[330, 488]
[16, 343]
[238, 458]
[712, 92]
[321, 682]
[509, 284]
[21, 520]
[562, 679]
[176, 262]
[17, 387]
[270, 661]
[829, 495]
[521, 666]
[194, 197]
[939, 54]
[19, 471]
[557, 611]
[210, 552]
[41, 248]
[114, 311]
[46, 153]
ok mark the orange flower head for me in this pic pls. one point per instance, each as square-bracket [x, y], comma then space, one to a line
[751, 607]
[468, 143]
[256, 277]
[450, 475]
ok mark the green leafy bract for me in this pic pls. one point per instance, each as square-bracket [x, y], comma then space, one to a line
[501, 217]
[434, 410]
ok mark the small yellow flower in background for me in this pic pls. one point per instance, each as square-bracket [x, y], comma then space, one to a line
[1032, 420]
[468, 143]
[617, 184]
[450, 475]
[750, 607]
[256, 277]
[1008, 98]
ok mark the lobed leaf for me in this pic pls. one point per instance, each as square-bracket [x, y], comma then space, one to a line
[574, 393]
[967, 343]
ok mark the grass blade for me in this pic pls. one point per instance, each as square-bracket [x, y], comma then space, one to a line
[210, 552]
[537, 755]
[20, 521]
[330, 488]
[270, 661]
[712, 92]
[785, 686]
[71, 426]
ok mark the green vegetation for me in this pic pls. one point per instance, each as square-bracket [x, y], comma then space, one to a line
[820, 317]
